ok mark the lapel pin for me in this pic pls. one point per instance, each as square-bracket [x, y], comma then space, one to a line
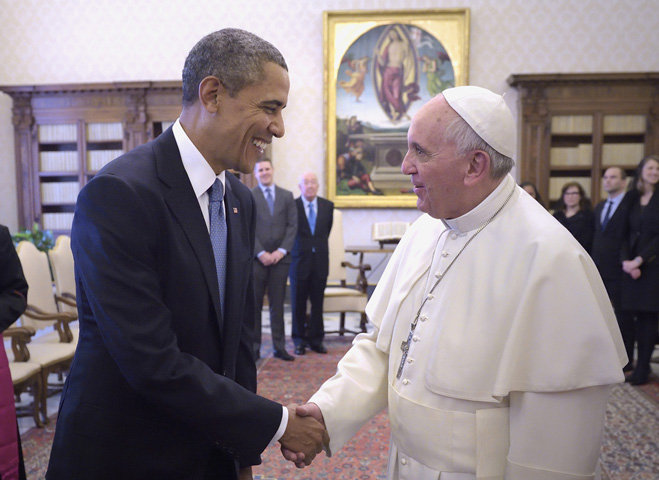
[235, 210]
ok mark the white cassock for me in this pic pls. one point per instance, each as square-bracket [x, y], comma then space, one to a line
[510, 365]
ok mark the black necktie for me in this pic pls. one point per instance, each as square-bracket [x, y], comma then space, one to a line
[607, 214]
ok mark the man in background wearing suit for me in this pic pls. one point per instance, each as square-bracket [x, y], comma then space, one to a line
[310, 265]
[610, 221]
[276, 226]
[163, 383]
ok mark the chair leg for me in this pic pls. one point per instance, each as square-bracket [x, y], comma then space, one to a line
[38, 404]
[342, 324]
[44, 395]
[362, 323]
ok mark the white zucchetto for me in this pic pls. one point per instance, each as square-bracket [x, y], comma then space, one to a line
[487, 113]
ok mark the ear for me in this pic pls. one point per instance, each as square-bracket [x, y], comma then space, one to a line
[478, 167]
[211, 92]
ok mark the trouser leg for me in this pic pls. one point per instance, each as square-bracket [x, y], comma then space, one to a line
[277, 276]
[316, 330]
[299, 310]
[260, 278]
[646, 334]
[627, 330]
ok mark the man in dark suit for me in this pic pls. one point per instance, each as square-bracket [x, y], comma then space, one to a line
[163, 381]
[610, 220]
[310, 265]
[276, 226]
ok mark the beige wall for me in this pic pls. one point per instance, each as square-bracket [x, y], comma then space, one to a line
[65, 41]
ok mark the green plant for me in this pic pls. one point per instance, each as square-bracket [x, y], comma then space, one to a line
[42, 239]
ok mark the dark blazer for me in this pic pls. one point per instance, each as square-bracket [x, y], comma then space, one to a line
[607, 242]
[642, 238]
[303, 260]
[579, 225]
[13, 287]
[161, 385]
[277, 230]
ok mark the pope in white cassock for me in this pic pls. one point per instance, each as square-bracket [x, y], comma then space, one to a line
[494, 344]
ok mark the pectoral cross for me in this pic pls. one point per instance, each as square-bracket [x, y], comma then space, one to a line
[405, 346]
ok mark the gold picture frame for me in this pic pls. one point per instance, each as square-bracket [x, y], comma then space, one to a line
[380, 68]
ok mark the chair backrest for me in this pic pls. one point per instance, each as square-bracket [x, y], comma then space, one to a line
[61, 262]
[40, 285]
[337, 252]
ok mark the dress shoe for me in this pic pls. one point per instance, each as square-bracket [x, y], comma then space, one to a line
[320, 348]
[639, 381]
[628, 368]
[284, 355]
[300, 350]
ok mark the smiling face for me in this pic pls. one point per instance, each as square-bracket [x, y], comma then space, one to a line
[650, 174]
[309, 186]
[245, 123]
[264, 172]
[436, 171]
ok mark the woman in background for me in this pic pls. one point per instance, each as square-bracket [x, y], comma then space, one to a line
[531, 189]
[640, 285]
[576, 214]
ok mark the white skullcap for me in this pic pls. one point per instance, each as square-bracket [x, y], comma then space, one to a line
[487, 113]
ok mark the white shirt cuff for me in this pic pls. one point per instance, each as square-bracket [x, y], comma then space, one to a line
[282, 426]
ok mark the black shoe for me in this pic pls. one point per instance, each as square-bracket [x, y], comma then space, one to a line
[320, 348]
[639, 381]
[300, 350]
[283, 355]
[628, 368]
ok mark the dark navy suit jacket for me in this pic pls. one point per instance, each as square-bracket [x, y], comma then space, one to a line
[161, 385]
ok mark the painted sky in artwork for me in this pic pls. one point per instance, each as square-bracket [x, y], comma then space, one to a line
[367, 108]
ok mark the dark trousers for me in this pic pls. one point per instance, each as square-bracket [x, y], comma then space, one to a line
[307, 330]
[643, 327]
[273, 278]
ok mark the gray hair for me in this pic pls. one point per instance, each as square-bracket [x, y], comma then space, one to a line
[235, 57]
[458, 131]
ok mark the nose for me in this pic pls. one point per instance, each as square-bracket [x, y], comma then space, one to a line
[277, 126]
[407, 167]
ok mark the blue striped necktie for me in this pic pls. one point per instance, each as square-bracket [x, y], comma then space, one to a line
[312, 218]
[218, 228]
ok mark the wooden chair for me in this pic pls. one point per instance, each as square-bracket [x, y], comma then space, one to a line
[25, 374]
[52, 346]
[339, 298]
[61, 264]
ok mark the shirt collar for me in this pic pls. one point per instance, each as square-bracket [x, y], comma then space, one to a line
[484, 210]
[199, 171]
[306, 202]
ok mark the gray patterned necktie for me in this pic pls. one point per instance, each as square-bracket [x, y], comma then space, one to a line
[218, 228]
[270, 200]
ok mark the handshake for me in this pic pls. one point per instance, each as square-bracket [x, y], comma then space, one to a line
[305, 434]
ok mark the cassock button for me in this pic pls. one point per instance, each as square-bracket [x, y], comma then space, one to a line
[430, 296]
[423, 318]
[437, 274]
[406, 381]
[403, 461]
[444, 253]
[415, 338]
[454, 236]
[410, 360]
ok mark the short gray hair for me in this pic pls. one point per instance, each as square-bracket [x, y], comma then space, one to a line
[236, 57]
[458, 131]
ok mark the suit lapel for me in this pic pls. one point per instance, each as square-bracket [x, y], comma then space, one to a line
[182, 202]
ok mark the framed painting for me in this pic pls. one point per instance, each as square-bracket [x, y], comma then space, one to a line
[380, 68]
